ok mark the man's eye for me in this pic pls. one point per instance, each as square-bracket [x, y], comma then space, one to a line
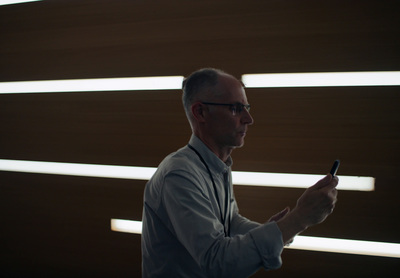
[236, 108]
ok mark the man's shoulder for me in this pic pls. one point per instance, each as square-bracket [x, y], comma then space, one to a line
[178, 165]
[181, 160]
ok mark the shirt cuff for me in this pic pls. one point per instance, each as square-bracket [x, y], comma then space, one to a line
[268, 240]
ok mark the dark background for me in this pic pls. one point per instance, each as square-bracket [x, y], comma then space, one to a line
[59, 226]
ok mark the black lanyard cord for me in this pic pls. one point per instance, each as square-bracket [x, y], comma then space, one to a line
[216, 193]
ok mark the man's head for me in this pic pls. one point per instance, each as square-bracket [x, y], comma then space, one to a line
[217, 108]
[197, 86]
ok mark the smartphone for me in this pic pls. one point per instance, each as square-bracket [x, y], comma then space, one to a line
[335, 167]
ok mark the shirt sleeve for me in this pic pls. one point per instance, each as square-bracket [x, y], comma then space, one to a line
[190, 217]
[269, 242]
[239, 224]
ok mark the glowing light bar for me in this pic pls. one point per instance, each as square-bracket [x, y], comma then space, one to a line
[299, 180]
[8, 2]
[77, 169]
[318, 79]
[126, 226]
[346, 246]
[322, 79]
[145, 173]
[96, 84]
[321, 244]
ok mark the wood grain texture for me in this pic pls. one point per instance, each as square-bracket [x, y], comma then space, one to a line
[59, 226]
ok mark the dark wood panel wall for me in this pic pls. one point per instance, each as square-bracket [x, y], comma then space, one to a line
[59, 226]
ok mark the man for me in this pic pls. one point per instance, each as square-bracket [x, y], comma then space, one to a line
[191, 224]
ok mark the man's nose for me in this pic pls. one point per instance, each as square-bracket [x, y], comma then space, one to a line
[247, 118]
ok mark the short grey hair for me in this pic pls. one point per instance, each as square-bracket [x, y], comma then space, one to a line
[197, 85]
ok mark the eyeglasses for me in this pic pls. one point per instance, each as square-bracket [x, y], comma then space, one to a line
[236, 108]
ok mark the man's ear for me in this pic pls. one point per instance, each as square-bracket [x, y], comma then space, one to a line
[198, 111]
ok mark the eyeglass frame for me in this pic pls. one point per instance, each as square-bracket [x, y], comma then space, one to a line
[236, 108]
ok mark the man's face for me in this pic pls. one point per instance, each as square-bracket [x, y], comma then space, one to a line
[228, 129]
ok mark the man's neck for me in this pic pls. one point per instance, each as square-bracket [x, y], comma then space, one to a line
[222, 153]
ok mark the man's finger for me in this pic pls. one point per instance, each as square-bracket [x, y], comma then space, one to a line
[323, 182]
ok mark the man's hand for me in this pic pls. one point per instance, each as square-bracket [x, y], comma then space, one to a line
[318, 201]
[279, 215]
[313, 207]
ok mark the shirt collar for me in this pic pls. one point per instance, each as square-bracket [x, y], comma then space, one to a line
[214, 162]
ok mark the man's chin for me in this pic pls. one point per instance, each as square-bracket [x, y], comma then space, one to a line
[239, 144]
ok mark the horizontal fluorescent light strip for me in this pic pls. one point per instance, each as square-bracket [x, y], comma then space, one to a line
[318, 79]
[299, 180]
[126, 226]
[347, 246]
[356, 247]
[8, 2]
[145, 173]
[322, 79]
[91, 85]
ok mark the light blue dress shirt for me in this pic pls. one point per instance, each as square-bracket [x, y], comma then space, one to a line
[183, 234]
